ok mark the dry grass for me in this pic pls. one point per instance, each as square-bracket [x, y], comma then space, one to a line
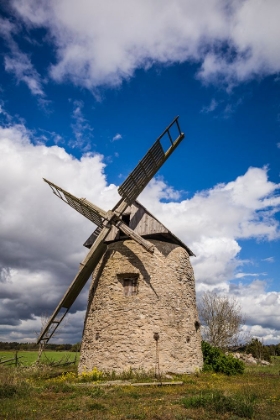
[51, 393]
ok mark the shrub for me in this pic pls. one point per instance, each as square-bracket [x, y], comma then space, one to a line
[215, 360]
[258, 350]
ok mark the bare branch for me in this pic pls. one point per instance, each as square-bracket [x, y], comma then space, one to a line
[221, 320]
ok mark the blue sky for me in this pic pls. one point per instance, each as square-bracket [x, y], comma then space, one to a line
[85, 90]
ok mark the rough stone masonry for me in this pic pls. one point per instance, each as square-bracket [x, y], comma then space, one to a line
[142, 311]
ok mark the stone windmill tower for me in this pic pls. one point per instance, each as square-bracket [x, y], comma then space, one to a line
[141, 310]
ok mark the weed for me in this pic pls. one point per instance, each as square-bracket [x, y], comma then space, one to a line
[131, 374]
[96, 406]
[134, 395]
[57, 387]
[51, 393]
[69, 377]
[93, 375]
[97, 392]
[7, 391]
[221, 403]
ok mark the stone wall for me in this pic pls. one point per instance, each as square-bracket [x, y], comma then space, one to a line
[155, 328]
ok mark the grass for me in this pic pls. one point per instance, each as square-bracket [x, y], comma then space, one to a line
[273, 368]
[217, 401]
[27, 358]
[45, 392]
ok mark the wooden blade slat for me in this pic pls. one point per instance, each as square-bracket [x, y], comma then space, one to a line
[81, 205]
[143, 173]
[148, 166]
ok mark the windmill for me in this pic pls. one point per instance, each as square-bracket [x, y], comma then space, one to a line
[130, 253]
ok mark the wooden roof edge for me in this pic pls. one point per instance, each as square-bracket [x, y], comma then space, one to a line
[181, 243]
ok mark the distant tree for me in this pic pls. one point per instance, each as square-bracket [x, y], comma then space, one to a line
[76, 347]
[271, 349]
[258, 350]
[277, 349]
[221, 320]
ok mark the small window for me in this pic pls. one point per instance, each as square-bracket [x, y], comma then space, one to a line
[130, 286]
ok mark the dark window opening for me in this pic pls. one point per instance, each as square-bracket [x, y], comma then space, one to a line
[126, 220]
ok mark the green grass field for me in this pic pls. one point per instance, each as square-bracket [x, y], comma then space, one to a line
[44, 392]
[27, 358]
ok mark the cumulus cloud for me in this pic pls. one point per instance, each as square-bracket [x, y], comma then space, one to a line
[261, 309]
[240, 209]
[42, 237]
[102, 43]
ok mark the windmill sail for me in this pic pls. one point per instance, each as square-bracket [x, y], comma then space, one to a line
[149, 165]
[81, 205]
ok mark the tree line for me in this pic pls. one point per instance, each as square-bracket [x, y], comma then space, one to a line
[34, 347]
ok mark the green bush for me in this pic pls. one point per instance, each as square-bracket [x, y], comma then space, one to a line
[216, 361]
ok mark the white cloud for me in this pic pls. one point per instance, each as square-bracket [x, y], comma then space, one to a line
[242, 275]
[269, 259]
[266, 335]
[117, 137]
[81, 128]
[7, 29]
[239, 209]
[211, 107]
[41, 237]
[20, 65]
[212, 222]
[261, 309]
[5, 116]
[102, 43]
[17, 62]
